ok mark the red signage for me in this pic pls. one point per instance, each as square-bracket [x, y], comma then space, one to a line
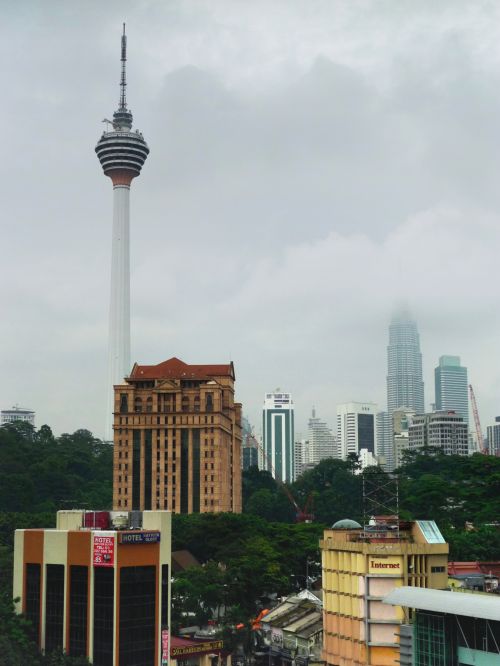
[103, 554]
[164, 647]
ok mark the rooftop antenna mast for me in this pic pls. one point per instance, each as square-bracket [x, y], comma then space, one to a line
[123, 80]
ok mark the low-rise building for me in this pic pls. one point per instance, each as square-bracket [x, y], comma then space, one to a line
[360, 567]
[448, 628]
[291, 632]
[17, 414]
[98, 585]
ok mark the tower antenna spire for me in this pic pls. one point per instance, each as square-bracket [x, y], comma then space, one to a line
[123, 80]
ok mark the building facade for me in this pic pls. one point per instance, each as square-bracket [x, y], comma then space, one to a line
[445, 430]
[451, 386]
[249, 446]
[97, 592]
[405, 385]
[319, 445]
[278, 435]
[385, 447]
[17, 414]
[448, 628]
[493, 437]
[360, 568]
[177, 439]
[356, 430]
[402, 419]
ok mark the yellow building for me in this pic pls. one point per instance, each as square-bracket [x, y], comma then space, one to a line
[360, 567]
[177, 439]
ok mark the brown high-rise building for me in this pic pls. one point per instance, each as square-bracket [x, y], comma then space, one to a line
[177, 439]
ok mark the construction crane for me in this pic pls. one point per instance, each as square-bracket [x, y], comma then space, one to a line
[301, 515]
[479, 432]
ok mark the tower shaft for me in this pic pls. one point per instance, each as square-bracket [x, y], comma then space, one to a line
[119, 307]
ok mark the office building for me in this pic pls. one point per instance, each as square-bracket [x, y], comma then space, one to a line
[445, 430]
[278, 435]
[98, 585]
[402, 419]
[447, 628]
[385, 448]
[17, 414]
[249, 446]
[405, 385]
[452, 387]
[359, 569]
[319, 445]
[356, 430]
[493, 437]
[122, 153]
[177, 439]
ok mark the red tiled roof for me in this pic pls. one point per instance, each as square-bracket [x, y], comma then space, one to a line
[174, 368]
[471, 568]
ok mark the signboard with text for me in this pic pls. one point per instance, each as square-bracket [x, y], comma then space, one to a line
[133, 538]
[200, 648]
[385, 565]
[164, 647]
[103, 549]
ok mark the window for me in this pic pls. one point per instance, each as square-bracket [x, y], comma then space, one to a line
[149, 404]
[137, 615]
[54, 607]
[104, 592]
[32, 605]
[78, 602]
[209, 402]
[123, 403]
[138, 405]
[437, 569]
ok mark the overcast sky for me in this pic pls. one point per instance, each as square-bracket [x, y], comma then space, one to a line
[313, 165]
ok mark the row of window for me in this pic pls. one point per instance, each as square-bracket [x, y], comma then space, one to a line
[181, 420]
[166, 403]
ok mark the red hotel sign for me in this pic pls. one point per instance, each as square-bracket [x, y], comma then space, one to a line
[103, 551]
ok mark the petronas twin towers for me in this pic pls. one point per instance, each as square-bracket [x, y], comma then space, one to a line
[405, 385]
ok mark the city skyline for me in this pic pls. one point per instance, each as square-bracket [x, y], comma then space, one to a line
[274, 174]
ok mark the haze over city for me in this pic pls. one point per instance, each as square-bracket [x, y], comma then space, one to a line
[313, 166]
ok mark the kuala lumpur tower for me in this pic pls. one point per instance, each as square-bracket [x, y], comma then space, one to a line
[122, 154]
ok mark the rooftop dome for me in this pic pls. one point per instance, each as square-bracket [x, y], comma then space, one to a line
[346, 524]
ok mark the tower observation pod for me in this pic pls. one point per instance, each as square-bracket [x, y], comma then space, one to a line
[122, 153]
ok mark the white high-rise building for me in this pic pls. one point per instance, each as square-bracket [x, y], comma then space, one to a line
[278, 435]
[445, 430]
[122, 153]
[493, 437]
[356, 431]
[319, 445]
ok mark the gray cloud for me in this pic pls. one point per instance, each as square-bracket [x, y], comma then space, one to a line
[312, 164]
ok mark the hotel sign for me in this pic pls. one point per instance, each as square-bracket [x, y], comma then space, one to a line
[385, 565]
[200, 648]
[138, 537]
[103, 549]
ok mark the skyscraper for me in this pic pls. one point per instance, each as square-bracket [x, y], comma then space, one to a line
[405, 386]
[278, 435]
[319, 445]
[122, 154]
[451, 386]
[356, 431]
